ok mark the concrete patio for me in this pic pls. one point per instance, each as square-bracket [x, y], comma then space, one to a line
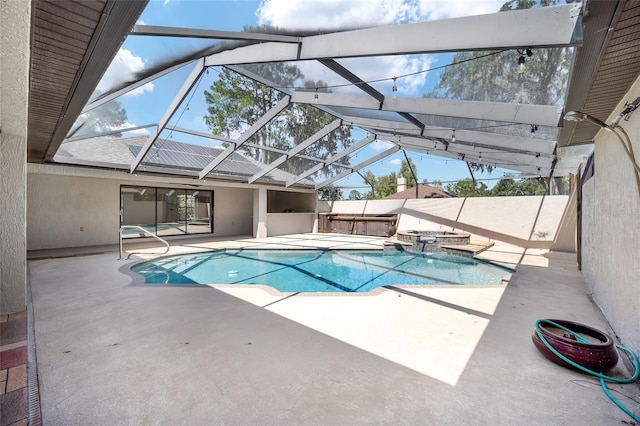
[111, 351]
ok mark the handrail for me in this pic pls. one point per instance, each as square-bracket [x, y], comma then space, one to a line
[122, 228]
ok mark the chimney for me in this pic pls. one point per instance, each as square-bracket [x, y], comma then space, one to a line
[402, 184]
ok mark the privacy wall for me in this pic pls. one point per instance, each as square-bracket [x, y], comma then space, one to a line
[536, 221]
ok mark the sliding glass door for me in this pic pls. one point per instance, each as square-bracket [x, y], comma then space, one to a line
[166, 211]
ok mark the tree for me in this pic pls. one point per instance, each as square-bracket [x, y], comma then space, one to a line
[534, 186]
[330, 193]
[436, 183]
[236, 102]
[354, 195]
[495, 76]
[405, 172]
[385, 185]
[477, 167]
[505, 187]
[511, 187]
[105, 118]
[465, 188]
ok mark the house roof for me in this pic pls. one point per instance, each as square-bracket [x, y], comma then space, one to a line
[424, 191]
[187, 159]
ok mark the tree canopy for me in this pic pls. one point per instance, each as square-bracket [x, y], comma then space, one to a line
[504, 187]
[497, 76]
[385, 185]
[236, 102]
[105, 118]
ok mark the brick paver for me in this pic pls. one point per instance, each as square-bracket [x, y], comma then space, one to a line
[14, 401]
[13, 357]
[17, 378]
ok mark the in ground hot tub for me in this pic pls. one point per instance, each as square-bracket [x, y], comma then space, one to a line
[431, 241]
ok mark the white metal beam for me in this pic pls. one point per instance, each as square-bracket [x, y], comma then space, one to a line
[262, 121]
[555, 26]
[374, 123]
[517, 160]
[365, 163]
[356, 146]
[153, 30]
[130, 87]
[202, 134]
[297, 149]
[477, 140]
[177, 100]
[109, 133]
[540, 115]
[495, 140]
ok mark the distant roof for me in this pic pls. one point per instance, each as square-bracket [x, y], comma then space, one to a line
[424, 191]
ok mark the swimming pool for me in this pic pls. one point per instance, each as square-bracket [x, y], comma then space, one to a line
[319, 270]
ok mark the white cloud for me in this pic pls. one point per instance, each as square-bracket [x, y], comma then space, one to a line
[352, 14]
[379, 145]
[137, 132]
[124, 68]
[387, 67]
[443, 9]
[331, 14]
[395, 162]
[166, 2]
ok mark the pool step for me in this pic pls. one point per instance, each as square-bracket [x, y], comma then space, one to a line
[469, 250]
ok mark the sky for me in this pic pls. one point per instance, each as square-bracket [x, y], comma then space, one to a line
[147, 104]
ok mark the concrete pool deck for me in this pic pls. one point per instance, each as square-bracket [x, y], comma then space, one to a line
[114, 353]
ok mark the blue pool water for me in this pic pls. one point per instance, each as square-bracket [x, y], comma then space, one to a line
[319, 270]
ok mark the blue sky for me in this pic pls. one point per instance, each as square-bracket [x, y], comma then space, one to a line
[147, 104]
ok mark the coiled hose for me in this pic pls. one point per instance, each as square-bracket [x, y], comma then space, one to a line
[603, 378]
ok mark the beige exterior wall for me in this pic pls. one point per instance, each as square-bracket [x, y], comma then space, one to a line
[14, 92]
[233, 211]
[76, 207]
[611, 230]
[289, 223]
[69, 211]
[533, 221]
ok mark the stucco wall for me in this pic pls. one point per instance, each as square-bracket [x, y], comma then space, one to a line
[233, 211]
[526, 221]
[289, 223]
[14, 90]
[611, 230]
[67, 207]
[68, 211]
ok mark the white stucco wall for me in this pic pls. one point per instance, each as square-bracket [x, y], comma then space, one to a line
[289, 223]
[526, 221]
[75, 207]
[70, 211]
[611, 230]
[14, 92]
[233, 211]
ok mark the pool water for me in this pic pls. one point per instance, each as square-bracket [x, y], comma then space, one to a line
[319, 270]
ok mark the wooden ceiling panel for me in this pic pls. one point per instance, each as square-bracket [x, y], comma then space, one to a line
[64, 36]
[71, 11]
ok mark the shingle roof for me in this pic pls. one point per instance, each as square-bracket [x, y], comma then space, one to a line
[171, 154]
[424, 191]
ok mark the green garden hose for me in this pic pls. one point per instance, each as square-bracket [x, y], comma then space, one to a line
[601, 376]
